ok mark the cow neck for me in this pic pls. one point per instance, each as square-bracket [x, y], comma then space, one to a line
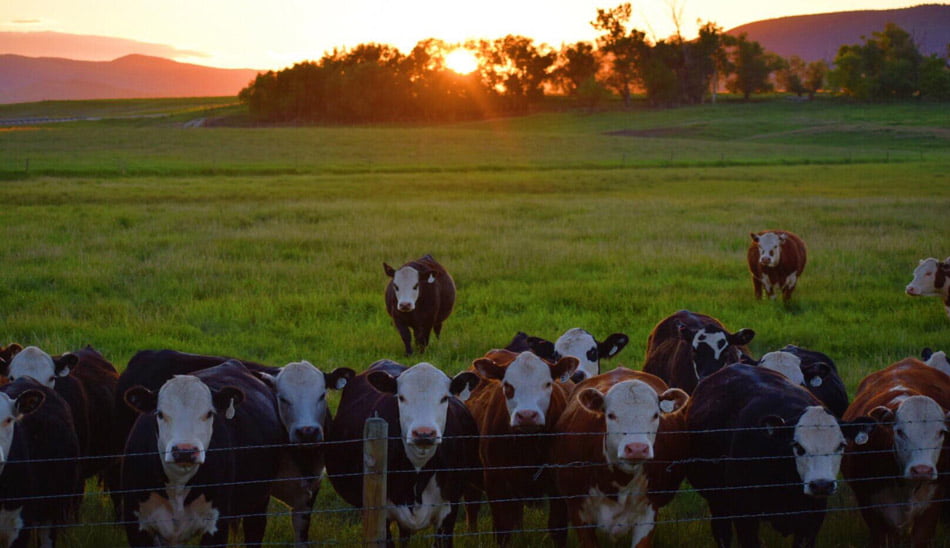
[178, 478]
[407, 483]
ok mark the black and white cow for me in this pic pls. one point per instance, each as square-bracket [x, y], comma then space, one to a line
[815, 371]
[200, 458]
[433, 447]
[765, 449]
[419, 297]
[38, 454]
[938, 360]
[575, 342]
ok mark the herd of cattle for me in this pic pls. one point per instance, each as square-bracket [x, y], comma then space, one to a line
[191, 445]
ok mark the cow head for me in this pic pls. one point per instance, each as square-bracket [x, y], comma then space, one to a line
[527, 382]
[582, 345]
[930, 278]
[406, 283]
[770, 247]
[631, 411]
[785, 363]
[937, 360]
[919, 425]
[185, 410]
[301, 391]
[714, 348]
[422, 395]
[38, 365]
[12, 410]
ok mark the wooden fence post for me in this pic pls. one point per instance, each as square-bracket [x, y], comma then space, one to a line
[375, 455]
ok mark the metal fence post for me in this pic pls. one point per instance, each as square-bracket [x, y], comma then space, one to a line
[375, 434]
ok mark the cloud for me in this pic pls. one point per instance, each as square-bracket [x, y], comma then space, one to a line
[85, 47]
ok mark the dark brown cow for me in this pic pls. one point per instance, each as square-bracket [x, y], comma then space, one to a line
[776, 261]
[896, 476]
[420, 296]
[626, 475]
[518, 401]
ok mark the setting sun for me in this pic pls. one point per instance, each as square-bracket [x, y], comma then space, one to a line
[461, 60]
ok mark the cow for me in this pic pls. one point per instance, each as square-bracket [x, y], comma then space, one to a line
[432, 449]
[776, 260]
[200, 457]
[813, 370]
[516, 405]
[419, 296]
[937, 360]
[764, 449]
[7, 352]
[40, 484]
[931, 279]
[575, 342]
[300, 390]
[628, 468]
[87, 382]
[686, 346]
[899, 477]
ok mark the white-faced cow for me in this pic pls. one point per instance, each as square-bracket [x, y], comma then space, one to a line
[688, 346]
[813, 370]
[200, 458]
[932, 279]
[300, 390]
[764, 449]
[517, 405]
[575, 342]
[616, 480]
[419, 297]
[40, 484]
[433, 448]
[776, 260]
[900, 476]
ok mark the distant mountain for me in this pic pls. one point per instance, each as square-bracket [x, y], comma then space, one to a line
[814, 37]
[26, 79]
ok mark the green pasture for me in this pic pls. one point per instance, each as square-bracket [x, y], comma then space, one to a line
[268, 243]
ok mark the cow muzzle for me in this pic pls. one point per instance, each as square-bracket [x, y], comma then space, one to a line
[921, 472]
[912, 291]
[821, 488]
[636, 452]
[424, 437]
[528, 421]
[308, 434]
[185, 454]
[406, 306]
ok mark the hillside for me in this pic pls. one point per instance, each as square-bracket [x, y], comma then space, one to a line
[819, 36]
[28, 79]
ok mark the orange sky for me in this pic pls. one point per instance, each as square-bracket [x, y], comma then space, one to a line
[273, 34]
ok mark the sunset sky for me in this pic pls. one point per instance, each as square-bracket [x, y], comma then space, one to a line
[273, 34]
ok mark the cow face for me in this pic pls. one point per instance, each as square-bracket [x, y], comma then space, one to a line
[406, 283]
[11, 411]
[185, 410]
[930, 278]
[817, 445]
[785, 363]
[527, 382]
[713, 348]
[631, 411]
[770, 247]
[422, 395]
[919, 429]
[583, 346]
[301, 391]
[39, 366]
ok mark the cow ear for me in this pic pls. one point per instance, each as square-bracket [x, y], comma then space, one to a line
[592, 400]
[63, 364]
[488, 369]
[771, 423]
[463, 384]
[542, 348]
[741, 337]
[859, 430]
[29, 401]
[754, 236]
[882, 414]
[815, 373]
[926, 353]
[382, 381]
[140, 399]
[226, 399]
[564, 368]
[389, 270]
[337, 379]
[673, 399]
[782, 237]
[612, 345]
[266, 378]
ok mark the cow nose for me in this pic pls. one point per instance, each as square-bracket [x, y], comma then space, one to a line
[185, 454]
[912, 290]
[309, 434]
[423, 435]
[527, 418]
[922, 471]
[636, 451]
[822, 488]
[406, 307]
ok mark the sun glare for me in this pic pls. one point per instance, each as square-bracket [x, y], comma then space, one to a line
[461, 60]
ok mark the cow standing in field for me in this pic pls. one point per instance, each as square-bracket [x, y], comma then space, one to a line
[900, 476]
[517, 405]
[432, 452]
[419, 297]
[575, 342]
[776, 261]
[764, 449]
[688, 346]
[931, 279]
[632, 467]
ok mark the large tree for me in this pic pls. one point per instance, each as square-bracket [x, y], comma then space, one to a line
[886, 66]
[625, 48]
[751, 66]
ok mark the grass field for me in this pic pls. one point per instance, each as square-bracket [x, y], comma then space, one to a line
[268, 243]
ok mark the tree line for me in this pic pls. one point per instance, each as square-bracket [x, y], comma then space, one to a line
[376, 82]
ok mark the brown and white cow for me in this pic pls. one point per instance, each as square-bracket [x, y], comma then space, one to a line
[776, 261]
[896, 476]
[516, 406]
[419, 296]
[931, 279]
[625, 429]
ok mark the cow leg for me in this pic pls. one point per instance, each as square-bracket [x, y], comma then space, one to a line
[721, 526]
[507, 518]
[557, 520]
[804, 540]
[446, 529]
[220, 537]
[789, 286]
[757, 287]
[406, 337]
[925, 526]
[404, 535]
[437, 328]
[254, 527]
[747, 532]
[422, 338]
[473, 503]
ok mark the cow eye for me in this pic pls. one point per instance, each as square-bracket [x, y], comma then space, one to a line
[401, 398]
[160, 415]
[7, 421]
[396, 287]
[322, 397]
[797, 449]
[656, 416]
[415, 287]
[444, 399]
[209, 415]
[547, 385]
[509, 390]
[285, 401]
[900, 434]
[52, 379]
[11, 379]
[611, 416]
[842, 447]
